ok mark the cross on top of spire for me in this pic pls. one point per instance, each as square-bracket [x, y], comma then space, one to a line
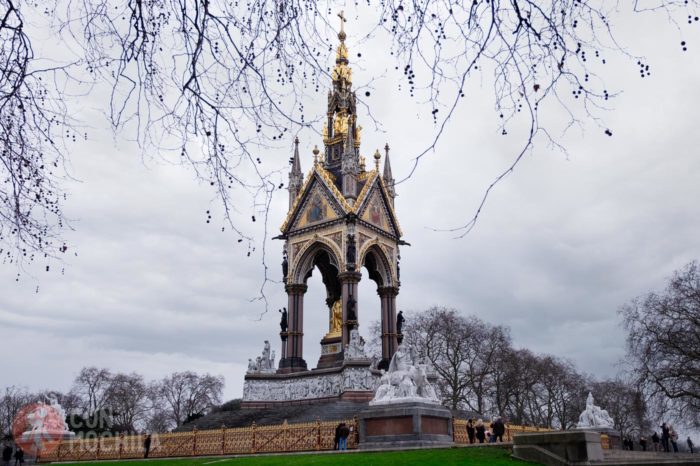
[341, 34]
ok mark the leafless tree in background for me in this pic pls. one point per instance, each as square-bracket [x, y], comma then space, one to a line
[217, 82]
[91, 386]
[626, 405]
[128, 399]
[462, 350]
[663, 344]
[479, 371]
[187, 394]
[12, 399]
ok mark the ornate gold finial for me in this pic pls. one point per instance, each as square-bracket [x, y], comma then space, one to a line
[316, 152]
[341, 56]
[358, 134]
[377, 156]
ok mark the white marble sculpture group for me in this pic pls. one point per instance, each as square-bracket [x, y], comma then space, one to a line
[356, 348]
[263, 364]
[594, 417]
[406, 380]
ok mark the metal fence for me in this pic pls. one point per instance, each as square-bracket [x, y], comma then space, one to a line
[460, 431]
[309, 436]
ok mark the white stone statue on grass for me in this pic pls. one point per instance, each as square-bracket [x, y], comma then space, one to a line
[593, 417]
[405, 381]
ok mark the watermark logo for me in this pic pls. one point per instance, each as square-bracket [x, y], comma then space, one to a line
[38, 428]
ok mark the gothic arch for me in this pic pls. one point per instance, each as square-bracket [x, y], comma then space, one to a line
[373, 257]
[325, 255]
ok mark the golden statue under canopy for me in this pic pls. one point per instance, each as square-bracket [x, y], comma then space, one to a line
[336, 321]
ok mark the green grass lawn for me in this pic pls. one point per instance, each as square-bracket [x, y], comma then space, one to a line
[441, 457]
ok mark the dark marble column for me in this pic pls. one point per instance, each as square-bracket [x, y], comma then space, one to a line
[293, 360]
[387, 295]
[348, 283]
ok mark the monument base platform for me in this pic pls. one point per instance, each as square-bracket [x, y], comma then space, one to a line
[405, 425]
[352, 381]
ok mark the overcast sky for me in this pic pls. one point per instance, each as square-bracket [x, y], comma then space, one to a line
[561, 244]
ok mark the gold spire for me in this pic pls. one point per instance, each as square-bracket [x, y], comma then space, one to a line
[342, 71]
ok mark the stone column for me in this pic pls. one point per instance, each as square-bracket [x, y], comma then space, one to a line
[348, 283]
[387, 295]
[294, 359]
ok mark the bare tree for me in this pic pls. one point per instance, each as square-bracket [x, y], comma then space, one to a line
[12, 400]
[187, 394]
[562, 392]
[217, 82]
[128, 401]
[92, 387]
[32, 125]
[663, 343]
[464, 352]
[626, 405]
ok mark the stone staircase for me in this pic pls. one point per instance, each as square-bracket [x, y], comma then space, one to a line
[622, 457]
[241, 417]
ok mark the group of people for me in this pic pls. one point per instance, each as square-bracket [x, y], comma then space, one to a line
[8, 453]
[667, 442]
[476, 431]
[669, 439]
[342, 432]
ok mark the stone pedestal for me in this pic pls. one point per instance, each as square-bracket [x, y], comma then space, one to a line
[614, 438]
[331, 352]
[405, 425]
[564, 447]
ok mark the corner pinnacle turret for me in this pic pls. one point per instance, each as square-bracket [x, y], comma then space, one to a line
[296, 177]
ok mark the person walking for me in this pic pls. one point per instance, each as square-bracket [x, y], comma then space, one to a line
[690, 444]
[643, 442]
[498, 429]
[655, 441]
[146, 445]
[343, 433]
[665, 435]
[19, 456]
[471, 432]
[7, 454]
[673, 437]
[336, 439]
[480, 431]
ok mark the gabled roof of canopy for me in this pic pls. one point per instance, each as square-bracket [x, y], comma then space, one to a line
[373, 189]
[371, 183]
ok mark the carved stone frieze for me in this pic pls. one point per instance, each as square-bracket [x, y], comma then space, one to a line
[309, 388]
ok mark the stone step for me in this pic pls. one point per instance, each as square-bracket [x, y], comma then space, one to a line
[241, 417]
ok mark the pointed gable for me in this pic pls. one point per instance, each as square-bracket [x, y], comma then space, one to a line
[316, 209]
[373, 207]
[319, 201]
